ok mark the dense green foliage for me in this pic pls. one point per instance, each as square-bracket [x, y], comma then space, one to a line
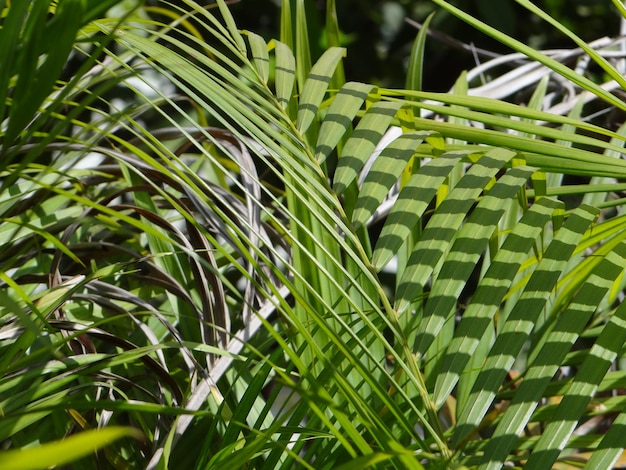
[216, 252]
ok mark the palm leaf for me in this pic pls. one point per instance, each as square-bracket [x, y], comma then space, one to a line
[234, 260]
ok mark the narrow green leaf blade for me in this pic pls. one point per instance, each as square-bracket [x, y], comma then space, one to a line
[549, 62]
[521, 320]
[362, 142]
[64, 451]
[316, 85]
[416, 59]
[9, 38]
[442, 227]
[333, 40]
[338, 119]
[413, 200]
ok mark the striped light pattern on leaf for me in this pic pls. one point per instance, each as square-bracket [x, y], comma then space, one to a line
[338, 119]
[441, 229]
[316, 85]
[237, 259]
[285, 73]
[464, 255]
[384, 173]
[362, 142]
[521, 321]
[412, 202]
[568, 327]
[479, 317]
[585, 383]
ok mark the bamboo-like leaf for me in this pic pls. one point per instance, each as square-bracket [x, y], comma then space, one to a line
[525, 128]
[546, 155]
[338, 119]
[362, 143]
[384, 173]
[478, 318]
[464, 254]
[316, 85]
[585, 383]
[260, 56]
[521, 320]
[411, 204]
[442, 227]
[568, 327]
[286, 26]
[495, 107]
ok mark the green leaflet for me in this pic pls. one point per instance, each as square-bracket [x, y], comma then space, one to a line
[362, 142]
[260, 57]
[441, 229]
[285, 73]
[569, 325]
[384, 173]
[585, 383]
[521, 320]
[339, 116]
[235, 35]
[411, 204]
[478, 318]
[463, 256]
[316, 85]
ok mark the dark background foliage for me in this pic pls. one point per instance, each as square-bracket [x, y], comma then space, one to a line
[380, 39]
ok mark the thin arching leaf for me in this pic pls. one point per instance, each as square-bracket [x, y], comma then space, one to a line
[316, 85]
[442, 227]
[530, 52]
[362, 143]
[384, 173]
[521, 321]
[338, 119]
[415, 70]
